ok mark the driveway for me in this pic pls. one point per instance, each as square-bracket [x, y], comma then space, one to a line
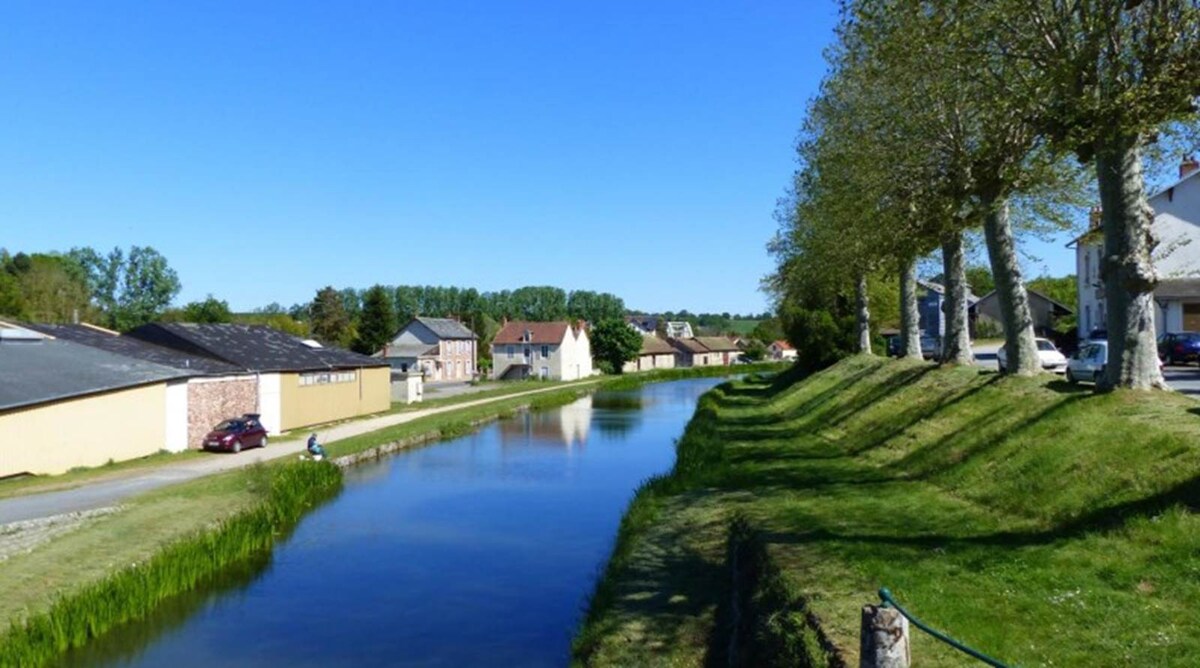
[109, 492]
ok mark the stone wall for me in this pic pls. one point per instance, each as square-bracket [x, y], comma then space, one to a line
[211, 400]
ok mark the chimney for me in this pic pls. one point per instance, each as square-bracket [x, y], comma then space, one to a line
[1188, 166]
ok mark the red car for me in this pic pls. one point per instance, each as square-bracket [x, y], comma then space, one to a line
[237, 433]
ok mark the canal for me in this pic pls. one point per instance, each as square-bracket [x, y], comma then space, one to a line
[480, 551]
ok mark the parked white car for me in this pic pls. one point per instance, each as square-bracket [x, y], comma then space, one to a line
[1049, 356]
[1088, 362]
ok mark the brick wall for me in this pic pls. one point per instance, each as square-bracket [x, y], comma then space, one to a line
[213, 400]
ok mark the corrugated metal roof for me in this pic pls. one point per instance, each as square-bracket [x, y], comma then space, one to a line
[38, 372]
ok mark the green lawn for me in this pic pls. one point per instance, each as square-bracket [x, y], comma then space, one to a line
[1038, 522]
[743, 327]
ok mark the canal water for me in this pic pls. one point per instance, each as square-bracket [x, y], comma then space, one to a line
[479, 551]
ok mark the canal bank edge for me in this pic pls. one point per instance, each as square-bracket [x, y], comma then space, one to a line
[998, 509]
[27, 629]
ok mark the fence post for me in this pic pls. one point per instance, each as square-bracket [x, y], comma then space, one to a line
[883, 638]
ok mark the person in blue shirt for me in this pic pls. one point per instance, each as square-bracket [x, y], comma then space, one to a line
[315, 448]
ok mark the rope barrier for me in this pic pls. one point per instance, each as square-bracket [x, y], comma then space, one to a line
[886, 596]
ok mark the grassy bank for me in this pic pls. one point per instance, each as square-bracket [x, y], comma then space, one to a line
[1038, 522]
[285, 492]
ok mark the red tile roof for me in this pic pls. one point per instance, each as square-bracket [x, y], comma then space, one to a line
[782, 345]
[540, 333]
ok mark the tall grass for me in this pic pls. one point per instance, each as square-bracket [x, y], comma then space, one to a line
[289, 490]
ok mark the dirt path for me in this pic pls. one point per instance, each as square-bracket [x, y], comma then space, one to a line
[111, 491]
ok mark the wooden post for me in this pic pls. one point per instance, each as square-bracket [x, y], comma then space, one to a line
[883, 639]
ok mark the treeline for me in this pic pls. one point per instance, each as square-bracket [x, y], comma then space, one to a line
[365, 320]
[938, 121]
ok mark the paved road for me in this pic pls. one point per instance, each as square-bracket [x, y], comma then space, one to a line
[1183, 379]
[112, 491]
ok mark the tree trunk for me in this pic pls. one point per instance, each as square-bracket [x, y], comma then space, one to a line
[1020, 350]
[862, 315]
[956, 344]
[1127, 271]
[910, 318]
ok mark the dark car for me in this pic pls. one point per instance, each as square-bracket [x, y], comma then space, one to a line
[237, 433]
[1179, 347]
[893, 345]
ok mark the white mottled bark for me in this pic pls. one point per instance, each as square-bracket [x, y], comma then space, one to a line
[1020, 350]
[910, 318]
[1129, 276]
[883, 639]
[862, 315]
[956, 344]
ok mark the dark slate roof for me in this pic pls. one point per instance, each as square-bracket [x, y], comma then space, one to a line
[444, 328]
[136, 348]
[250, 347]
[47, 370]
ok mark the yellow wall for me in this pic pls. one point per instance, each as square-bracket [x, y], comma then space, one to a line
[303, 405]
[87, 431]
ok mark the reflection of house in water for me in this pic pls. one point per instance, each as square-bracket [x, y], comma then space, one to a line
[566, 426]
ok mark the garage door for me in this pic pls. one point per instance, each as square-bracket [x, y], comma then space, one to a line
[1191, 317]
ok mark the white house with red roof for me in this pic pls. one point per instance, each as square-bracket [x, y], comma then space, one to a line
[555, 350]
[781, 350]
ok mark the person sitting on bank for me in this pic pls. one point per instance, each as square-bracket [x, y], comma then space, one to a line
[315, 448]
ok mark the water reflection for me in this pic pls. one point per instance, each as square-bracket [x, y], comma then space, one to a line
[476, 552]
[565, 427]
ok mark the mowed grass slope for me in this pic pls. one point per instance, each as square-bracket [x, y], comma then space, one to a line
[1038, 522]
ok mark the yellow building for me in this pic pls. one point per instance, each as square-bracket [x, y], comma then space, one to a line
[64, 405]
[300, 383]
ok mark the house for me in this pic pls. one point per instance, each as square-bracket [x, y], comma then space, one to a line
[931, 298]
[557, 350]
[781, 350]
[679, 329]
[65, 405]
[655, 354]
[726, 351]
[1044, 311]
[441, 348]
[215, 390]
[299, 383]
[706, 351]
[644, 324]
[1176, 257]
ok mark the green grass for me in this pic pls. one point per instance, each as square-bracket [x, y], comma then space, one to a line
[75, 477]
[132, 592]
[743, 327]
[1040, 523]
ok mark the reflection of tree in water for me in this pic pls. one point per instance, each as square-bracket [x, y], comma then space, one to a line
[618, 413]
[124, 644]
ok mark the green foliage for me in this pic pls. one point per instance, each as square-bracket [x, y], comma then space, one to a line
[329, 321]
[130, 289]
[289, 491]
[755, 350]
[614, 343]
[44, 287]
[377, 324]
[821, 337]
[980, 279]
[768, 331]
[280, 321]
[209, 311]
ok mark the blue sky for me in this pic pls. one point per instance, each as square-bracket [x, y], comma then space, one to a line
[269, 149]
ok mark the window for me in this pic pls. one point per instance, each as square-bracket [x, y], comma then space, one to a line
[327, 377]
[1087, 267]
[510, 351]
[545, 352]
